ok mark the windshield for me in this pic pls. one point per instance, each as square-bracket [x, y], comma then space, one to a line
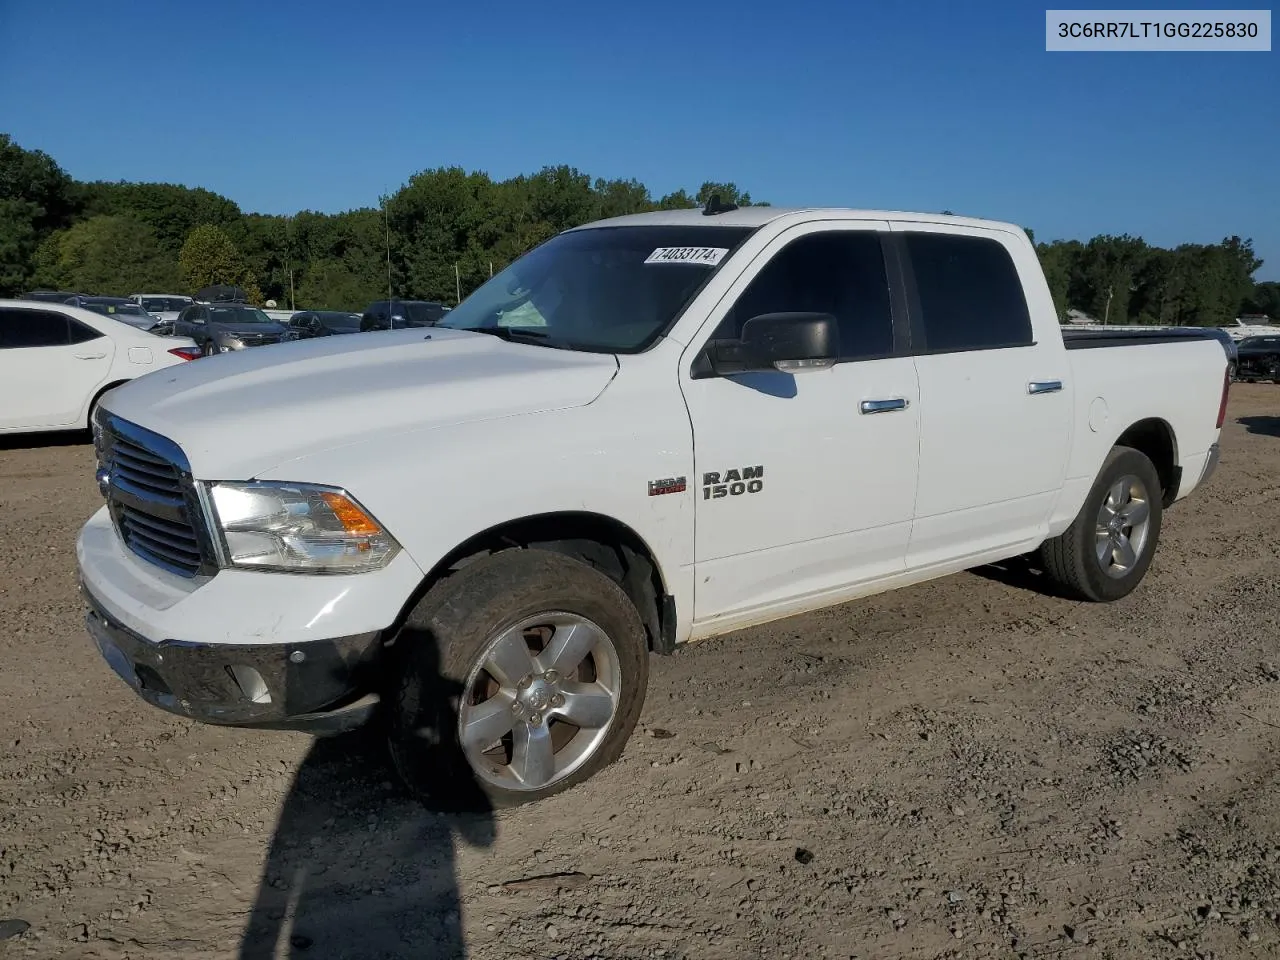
[603, 289]
[164, 304]
[110, 309]
[237, 315]
[423, 312]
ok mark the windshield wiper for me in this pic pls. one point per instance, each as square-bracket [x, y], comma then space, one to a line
[507, 333]
[516, 334]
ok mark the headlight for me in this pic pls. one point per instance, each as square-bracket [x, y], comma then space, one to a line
[299, 527]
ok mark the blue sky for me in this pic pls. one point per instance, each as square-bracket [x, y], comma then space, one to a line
[283, 105]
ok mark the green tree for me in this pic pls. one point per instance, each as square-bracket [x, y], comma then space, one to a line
[264, 244]
[1264, 298]
[171, 210]
[729, 193]
[209, 257]
[332, 285]
[1105, 275]
[113, 256]
[1058, 260]
[36, 198]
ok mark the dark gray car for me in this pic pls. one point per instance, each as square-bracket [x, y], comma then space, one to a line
[229, 326]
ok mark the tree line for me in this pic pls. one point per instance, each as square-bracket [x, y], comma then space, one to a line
[444, 232]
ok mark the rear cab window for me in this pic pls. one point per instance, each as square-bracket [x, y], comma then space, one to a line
[967, 294]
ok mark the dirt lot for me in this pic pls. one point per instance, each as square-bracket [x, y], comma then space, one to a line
[962, 769]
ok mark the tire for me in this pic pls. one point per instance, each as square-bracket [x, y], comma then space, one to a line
[455, 661]
[1071, 560]
[209, 348]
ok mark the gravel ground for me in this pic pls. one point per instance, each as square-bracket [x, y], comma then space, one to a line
[965, 768]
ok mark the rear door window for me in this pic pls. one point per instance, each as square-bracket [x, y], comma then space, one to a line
[968, 293]
[33, 328]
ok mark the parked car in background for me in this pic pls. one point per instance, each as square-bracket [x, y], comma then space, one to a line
[222, 293]
[216, 327]
[162, 306]
[57, 360]
[324, 323]
[1252, 325]
[1259, 358]
[735, 418]
[118, 308]
[398, 314]
[50, 296]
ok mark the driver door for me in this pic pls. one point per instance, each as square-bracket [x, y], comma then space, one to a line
[805, 482]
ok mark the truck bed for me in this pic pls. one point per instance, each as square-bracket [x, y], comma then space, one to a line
[1089, 338]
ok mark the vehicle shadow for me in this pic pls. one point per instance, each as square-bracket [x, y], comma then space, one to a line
[357, 867]
[51, 438]
[1262, 426]
[1022, 572]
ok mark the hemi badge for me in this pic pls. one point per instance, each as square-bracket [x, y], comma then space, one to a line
[667, 485]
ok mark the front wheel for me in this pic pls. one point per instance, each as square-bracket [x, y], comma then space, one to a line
[516, 678]
[1106, 551]
[208, 349]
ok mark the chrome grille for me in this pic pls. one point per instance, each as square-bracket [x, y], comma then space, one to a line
[152, 499]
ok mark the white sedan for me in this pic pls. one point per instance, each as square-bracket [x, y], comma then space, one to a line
[57, 360]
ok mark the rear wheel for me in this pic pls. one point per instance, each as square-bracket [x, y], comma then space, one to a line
[1106, 551]
[516, 678]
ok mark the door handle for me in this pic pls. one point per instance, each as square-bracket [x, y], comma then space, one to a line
[1044, 386]
[882, 406]
[90, 356]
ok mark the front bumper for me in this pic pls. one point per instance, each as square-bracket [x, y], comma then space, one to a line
[245, 648]
[313, 686]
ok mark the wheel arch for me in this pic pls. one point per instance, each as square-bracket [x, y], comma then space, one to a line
[603, 542]
[93, 401]
[1156, 438]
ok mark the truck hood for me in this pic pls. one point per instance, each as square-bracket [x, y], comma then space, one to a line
[236, 415]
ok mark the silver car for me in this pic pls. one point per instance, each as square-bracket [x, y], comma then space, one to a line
[163, 306]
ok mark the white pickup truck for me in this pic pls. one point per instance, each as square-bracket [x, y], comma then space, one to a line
[647, 431]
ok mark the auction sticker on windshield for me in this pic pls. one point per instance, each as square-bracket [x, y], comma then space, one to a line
[709, 256]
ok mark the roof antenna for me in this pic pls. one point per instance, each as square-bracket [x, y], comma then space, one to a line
[716, 205]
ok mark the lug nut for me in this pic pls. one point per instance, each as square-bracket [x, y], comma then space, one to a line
[558, 700]
[517, 708]
[525, 681]
[535, 719]
[551, 676]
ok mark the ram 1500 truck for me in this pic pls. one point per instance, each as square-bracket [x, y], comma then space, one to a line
[646, 431]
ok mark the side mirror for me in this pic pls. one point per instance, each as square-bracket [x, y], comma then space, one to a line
[790, 342]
